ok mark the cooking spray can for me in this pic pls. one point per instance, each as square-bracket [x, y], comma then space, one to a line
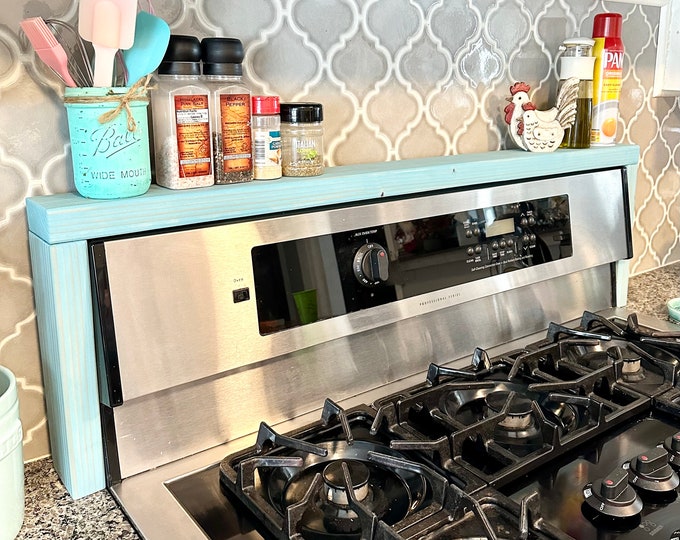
[607, 77]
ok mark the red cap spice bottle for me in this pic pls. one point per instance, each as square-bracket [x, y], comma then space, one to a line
[266, 137]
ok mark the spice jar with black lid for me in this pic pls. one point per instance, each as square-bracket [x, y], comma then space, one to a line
[180, 105]
[302, 139]
[230, 109]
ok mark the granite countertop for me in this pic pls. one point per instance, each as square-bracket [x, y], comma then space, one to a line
[649, 292]
[51, 513]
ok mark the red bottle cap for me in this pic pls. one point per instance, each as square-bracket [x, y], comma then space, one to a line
[607, 25]
[265, 104]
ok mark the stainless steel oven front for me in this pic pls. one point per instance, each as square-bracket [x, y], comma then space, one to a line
[206, 331]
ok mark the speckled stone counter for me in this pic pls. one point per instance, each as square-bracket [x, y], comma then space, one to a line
[51, 513]
[649, 292]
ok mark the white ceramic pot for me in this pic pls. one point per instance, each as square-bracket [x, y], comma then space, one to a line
[11, 458]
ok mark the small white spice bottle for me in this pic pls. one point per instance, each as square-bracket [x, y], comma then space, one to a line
[302, 139]
[266, 125]
[180, 106]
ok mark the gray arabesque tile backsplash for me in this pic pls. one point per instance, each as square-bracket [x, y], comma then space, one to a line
[398, 79]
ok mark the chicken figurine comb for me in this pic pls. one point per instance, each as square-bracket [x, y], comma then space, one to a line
[540, 131]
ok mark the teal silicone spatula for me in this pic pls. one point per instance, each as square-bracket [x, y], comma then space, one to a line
[152, 35]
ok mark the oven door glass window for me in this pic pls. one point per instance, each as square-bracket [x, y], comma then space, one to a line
[309, 279]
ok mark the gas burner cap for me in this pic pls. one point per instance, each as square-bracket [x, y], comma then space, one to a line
[334, 479]
[631, 370]
[519, 413]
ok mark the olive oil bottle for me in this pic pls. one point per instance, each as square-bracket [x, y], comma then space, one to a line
[578, 135]
[576, 62]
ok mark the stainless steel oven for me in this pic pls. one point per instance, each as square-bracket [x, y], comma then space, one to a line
[251, 368]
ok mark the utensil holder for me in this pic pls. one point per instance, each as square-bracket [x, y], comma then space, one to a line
[11, 458]
[109, 133]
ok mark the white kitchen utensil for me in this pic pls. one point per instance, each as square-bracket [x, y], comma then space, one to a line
[109, 25]
[85, 17]
[105, 40]
[128, 18]
[152, 35]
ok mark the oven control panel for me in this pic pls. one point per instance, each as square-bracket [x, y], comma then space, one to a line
[361, 268]
[229, 294]
[525, 235]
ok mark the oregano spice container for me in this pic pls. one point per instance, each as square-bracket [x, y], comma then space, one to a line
[302, 139]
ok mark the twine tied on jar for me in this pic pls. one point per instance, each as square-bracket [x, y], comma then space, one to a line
[137, 92]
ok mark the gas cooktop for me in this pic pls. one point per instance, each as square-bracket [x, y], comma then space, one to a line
[575, 434]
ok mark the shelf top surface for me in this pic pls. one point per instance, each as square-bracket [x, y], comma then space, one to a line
[69, 217]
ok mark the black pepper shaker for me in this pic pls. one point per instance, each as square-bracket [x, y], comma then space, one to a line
[230, 109]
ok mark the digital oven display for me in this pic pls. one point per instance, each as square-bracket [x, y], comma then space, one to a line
[301, 281]
[500, 227]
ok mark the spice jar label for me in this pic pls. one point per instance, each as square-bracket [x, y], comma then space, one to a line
[267, 149]
[236, 134]
[193, 135]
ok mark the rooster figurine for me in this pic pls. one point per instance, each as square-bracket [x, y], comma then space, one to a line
[540, 131]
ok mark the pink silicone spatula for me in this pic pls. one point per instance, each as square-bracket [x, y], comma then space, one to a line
[109, 25]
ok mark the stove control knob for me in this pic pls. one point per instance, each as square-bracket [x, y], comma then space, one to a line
[650, 471]
[672, 446]
[614, 484]
[371, 264]
[612, 496]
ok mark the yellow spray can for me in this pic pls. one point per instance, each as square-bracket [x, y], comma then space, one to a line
[607, 77]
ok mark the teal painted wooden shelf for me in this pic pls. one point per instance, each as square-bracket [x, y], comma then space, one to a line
[69, 217]
[61, 225]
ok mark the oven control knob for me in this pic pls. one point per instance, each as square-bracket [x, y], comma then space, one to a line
[371, 266]
[612, 496]
[672, 446]
[650, 471]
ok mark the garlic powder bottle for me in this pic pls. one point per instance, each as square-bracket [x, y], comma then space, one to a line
[266, 128]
